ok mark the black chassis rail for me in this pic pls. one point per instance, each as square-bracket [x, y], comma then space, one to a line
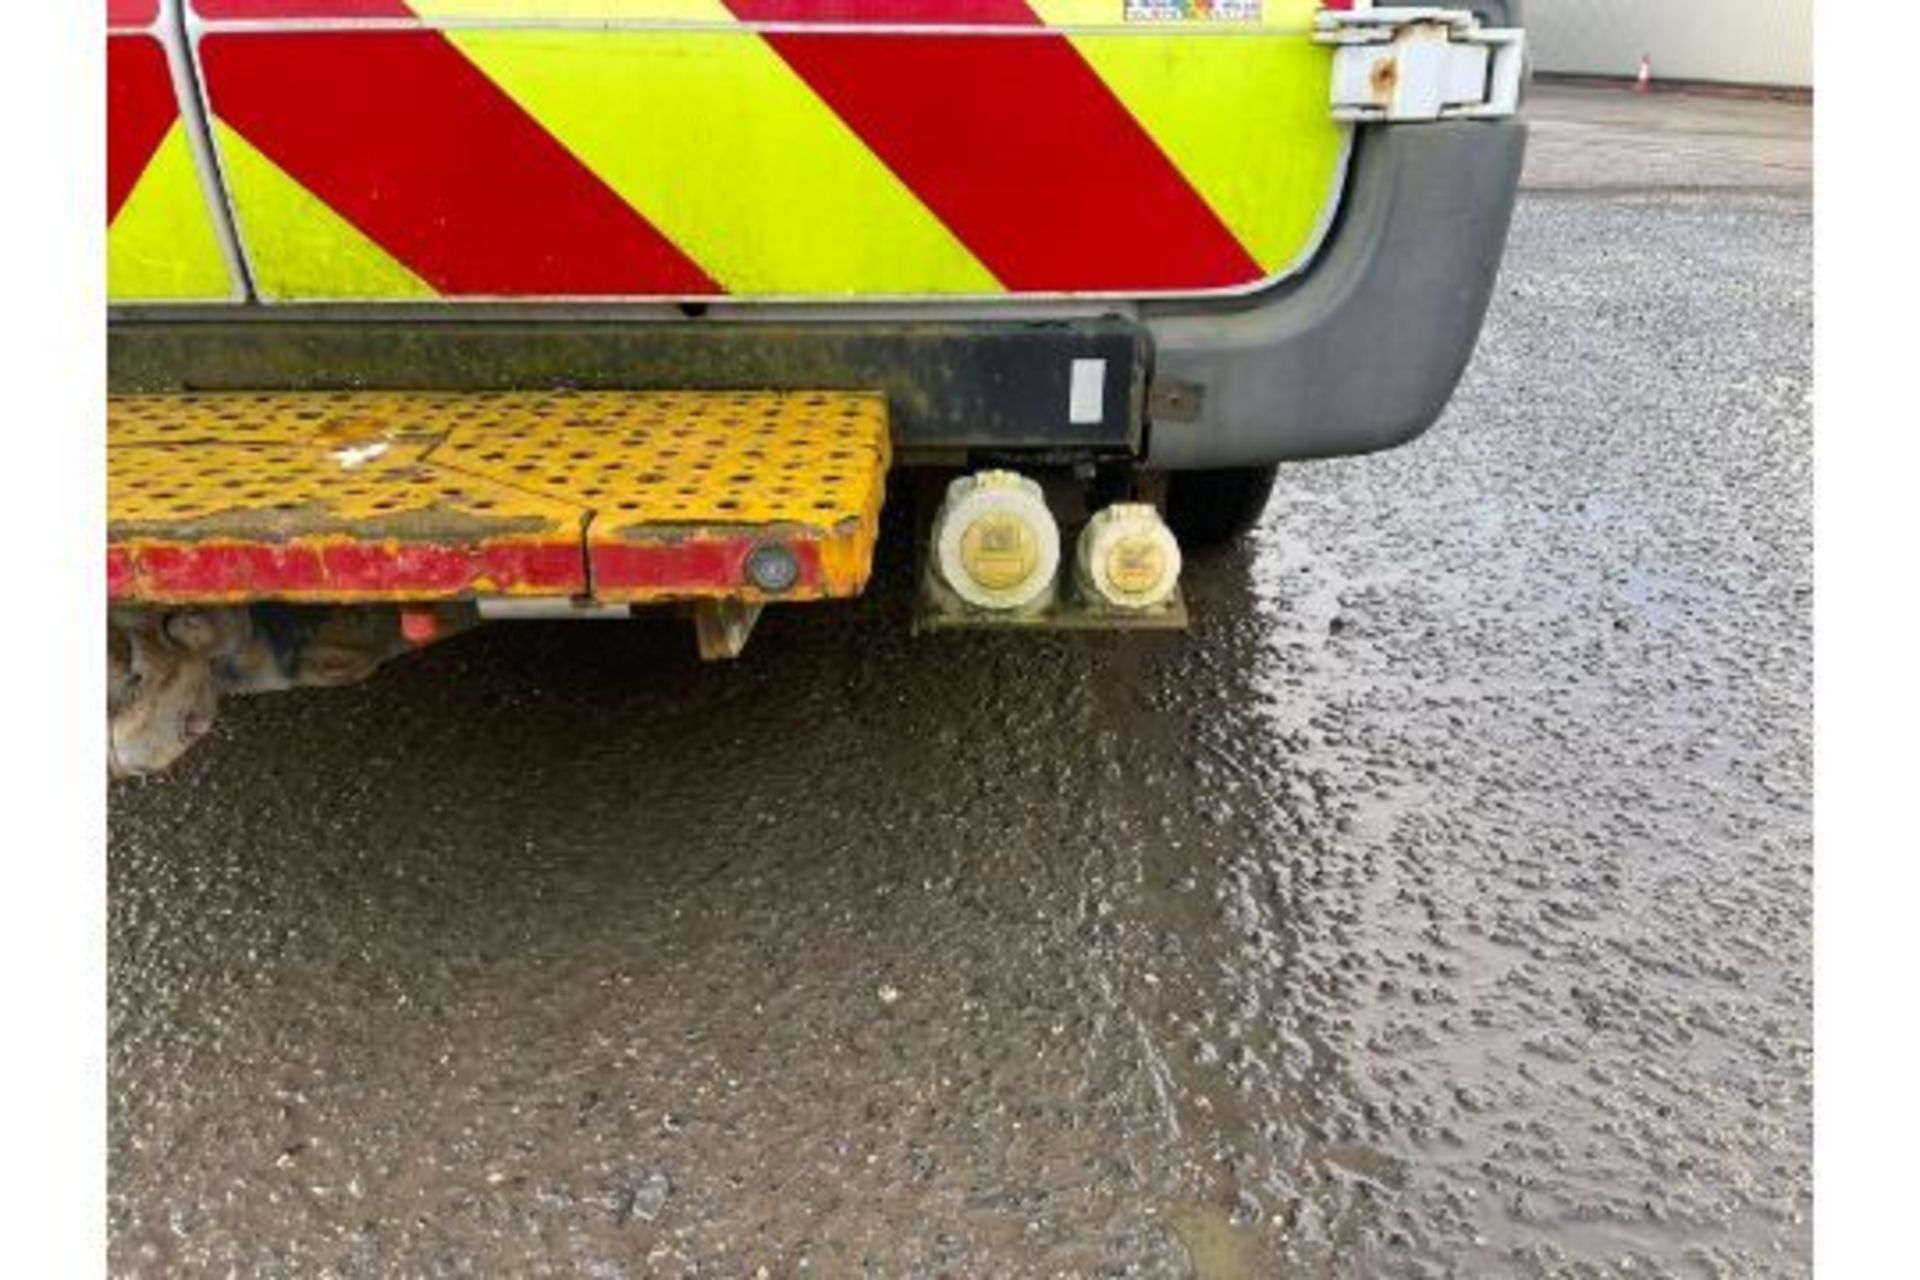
[950, 386]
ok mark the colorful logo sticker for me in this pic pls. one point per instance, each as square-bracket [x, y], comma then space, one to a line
[1193, 10]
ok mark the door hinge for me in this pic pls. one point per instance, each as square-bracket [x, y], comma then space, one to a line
[1421, 64]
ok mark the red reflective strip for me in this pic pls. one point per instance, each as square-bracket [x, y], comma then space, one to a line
[121, 580]
[694, 566]
[132, 13]
[697, 566]
[407, 140]
[952, 13]
[1022, 150]
[319, 570]
[140, 110]
[271, 9]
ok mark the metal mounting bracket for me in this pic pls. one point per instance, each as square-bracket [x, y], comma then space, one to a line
[1412, 64]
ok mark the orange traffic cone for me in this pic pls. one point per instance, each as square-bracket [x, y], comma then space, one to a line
[1645, 78]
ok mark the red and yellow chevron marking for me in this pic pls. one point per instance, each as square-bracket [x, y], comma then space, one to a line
[382, 149]
[162, 241]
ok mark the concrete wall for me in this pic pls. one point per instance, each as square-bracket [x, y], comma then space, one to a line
[1736, 41]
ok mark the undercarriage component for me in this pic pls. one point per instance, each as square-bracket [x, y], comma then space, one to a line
[938, 609]
[161, 695]
[1208, 510]
[169, 668]
[723, 626]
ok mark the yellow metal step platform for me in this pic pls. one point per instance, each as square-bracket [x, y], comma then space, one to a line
[622, 497]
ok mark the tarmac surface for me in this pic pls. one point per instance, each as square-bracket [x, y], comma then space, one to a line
[1439, 906]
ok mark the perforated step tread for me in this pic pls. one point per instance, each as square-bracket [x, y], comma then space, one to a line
[624, 496]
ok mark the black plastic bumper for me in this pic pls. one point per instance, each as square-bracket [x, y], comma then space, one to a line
[1364, 350]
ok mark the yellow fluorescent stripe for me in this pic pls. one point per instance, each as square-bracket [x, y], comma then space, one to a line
[1246, 119]
[725, 150]
[297, 246]
[163, 246]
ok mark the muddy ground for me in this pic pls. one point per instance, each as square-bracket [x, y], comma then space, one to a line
[1439, 906]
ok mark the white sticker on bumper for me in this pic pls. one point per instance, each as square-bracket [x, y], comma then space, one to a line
[1087, 392]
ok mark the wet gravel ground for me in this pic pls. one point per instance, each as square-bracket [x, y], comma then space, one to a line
[1439, 906]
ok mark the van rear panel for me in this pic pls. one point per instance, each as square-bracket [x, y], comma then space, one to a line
[821, 150]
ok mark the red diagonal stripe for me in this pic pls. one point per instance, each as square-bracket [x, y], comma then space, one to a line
[952, 13]
[302, 9]
[132, 13]
[1022, 150]
[140, 110]
[407, 140]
